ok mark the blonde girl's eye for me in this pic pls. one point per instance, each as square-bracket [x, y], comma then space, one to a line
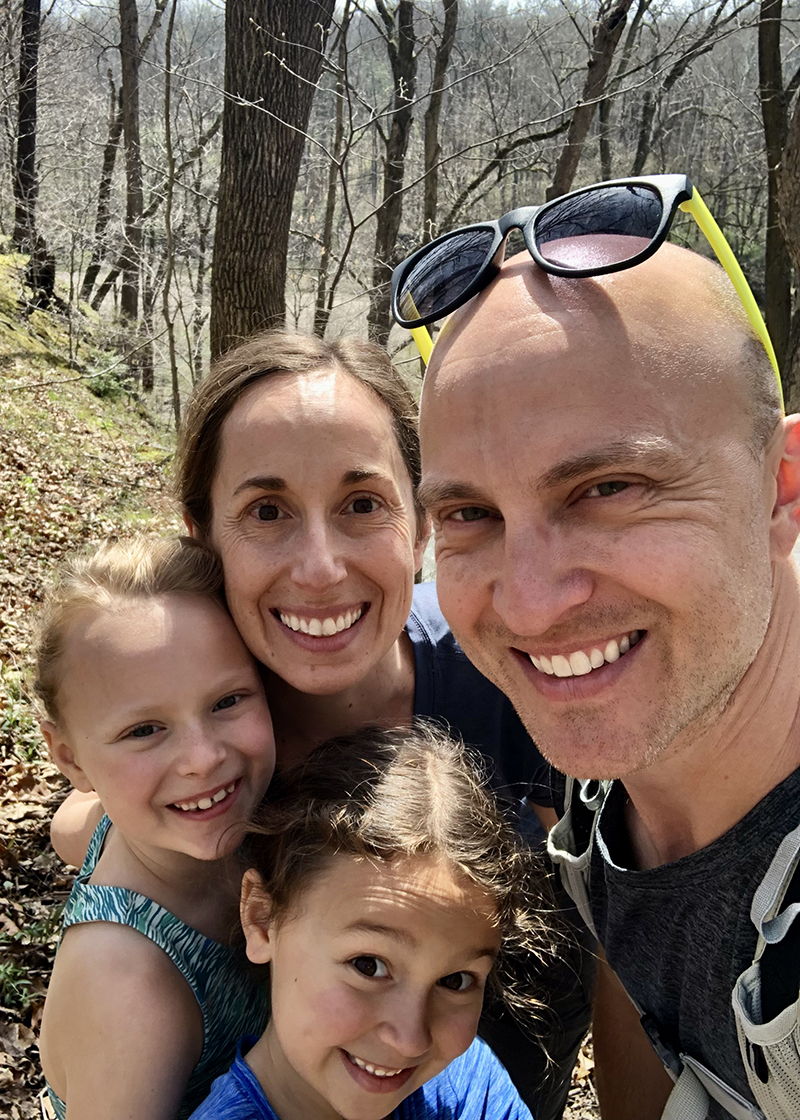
[372, 967]
[457, 981]
[143, 731]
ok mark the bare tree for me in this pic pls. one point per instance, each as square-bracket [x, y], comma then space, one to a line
[433, 149]
[26, 186]
[273, 59]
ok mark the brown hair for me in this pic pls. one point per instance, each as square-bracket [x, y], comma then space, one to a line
[387, 794]
[116, 571]
[269, 353]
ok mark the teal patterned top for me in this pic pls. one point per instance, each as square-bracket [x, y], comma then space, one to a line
[232, 997]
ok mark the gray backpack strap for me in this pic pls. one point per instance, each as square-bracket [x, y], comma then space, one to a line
[771, 1051]
[695, 1085]
[563, 847]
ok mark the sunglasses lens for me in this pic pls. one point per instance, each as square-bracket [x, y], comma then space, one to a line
[442, 275]
[603, 226]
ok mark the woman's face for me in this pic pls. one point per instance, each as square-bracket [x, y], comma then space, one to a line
[313, 516]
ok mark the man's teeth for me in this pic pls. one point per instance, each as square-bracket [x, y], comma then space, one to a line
[578, 664]
[321, 627]
[377, 1071]
[205, 802]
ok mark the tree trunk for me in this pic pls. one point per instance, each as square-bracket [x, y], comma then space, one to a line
[321, 306]
[129, 50]
[104, 193]
[607, 32]
[273, 48]
[788, 208]
[26, 186]
[777, 265]
[433, 149]
[401, 43]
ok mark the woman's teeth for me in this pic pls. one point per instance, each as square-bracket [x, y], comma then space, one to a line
[580, 663]
[205, 802]
[377, 1071]
[321, 627]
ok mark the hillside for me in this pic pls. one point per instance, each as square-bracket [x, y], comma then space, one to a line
[79, 461]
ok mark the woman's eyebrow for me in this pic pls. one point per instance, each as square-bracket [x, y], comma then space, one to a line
[364, 474]
[262, 482]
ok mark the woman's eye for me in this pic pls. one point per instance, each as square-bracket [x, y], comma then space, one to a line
[227, 702]
[606, 489]
[373, 967]
[267, 511]
[457, 981]
[470, 513]
[363, 505]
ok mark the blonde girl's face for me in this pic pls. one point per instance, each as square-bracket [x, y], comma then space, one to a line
[377, 981]
[163, 714]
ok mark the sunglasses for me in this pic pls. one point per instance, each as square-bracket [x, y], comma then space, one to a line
[599, 229]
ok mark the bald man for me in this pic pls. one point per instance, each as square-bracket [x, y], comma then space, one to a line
[615, 499]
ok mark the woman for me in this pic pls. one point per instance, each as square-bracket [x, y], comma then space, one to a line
[298, 463]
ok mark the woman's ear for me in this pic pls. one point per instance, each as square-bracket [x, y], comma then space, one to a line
[191, 528]
[254, 911]
[63, 756]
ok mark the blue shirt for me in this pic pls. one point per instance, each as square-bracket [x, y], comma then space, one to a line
[452, 691]
[473, 1087]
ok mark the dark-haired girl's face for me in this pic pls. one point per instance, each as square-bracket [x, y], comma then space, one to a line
[313, 515]
[378, 976]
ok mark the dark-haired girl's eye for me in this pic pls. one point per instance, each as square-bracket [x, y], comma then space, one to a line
[457, 981]
[373, 967]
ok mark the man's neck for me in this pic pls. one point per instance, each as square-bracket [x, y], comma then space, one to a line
[303, 720]
[722, 765]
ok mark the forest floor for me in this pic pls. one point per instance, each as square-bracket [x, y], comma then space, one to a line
[80, 461]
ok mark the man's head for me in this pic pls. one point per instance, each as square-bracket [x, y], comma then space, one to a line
[602, 459]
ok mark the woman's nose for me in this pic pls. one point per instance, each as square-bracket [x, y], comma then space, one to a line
[319, 563]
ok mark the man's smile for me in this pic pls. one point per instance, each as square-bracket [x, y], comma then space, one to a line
[581, 662]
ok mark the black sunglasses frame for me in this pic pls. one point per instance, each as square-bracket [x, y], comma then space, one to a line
[671, 189]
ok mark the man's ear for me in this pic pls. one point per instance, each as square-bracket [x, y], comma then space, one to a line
[254, 911]
[63, 756]
[423, 536]
[785, 523]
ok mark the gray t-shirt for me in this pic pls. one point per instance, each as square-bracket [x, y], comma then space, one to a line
[679, 935]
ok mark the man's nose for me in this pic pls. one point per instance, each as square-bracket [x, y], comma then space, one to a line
[541, 579]
[319, 563]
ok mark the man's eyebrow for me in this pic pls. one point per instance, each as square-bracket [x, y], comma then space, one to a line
[654, 450]
[262, 482]
[431, 492]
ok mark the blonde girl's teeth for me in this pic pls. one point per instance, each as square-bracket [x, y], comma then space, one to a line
[220, 795]
[205, 803]
[596, 658]
[611, 652]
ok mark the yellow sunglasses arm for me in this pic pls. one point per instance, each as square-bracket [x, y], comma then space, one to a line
[422, 337]
[716, 239]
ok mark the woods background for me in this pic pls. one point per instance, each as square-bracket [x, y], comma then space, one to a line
[334, 137]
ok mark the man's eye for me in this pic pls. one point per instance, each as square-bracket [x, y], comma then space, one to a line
[470, 513]
[227, 702]
[373, 967]
[457, 981]
[606, 489]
